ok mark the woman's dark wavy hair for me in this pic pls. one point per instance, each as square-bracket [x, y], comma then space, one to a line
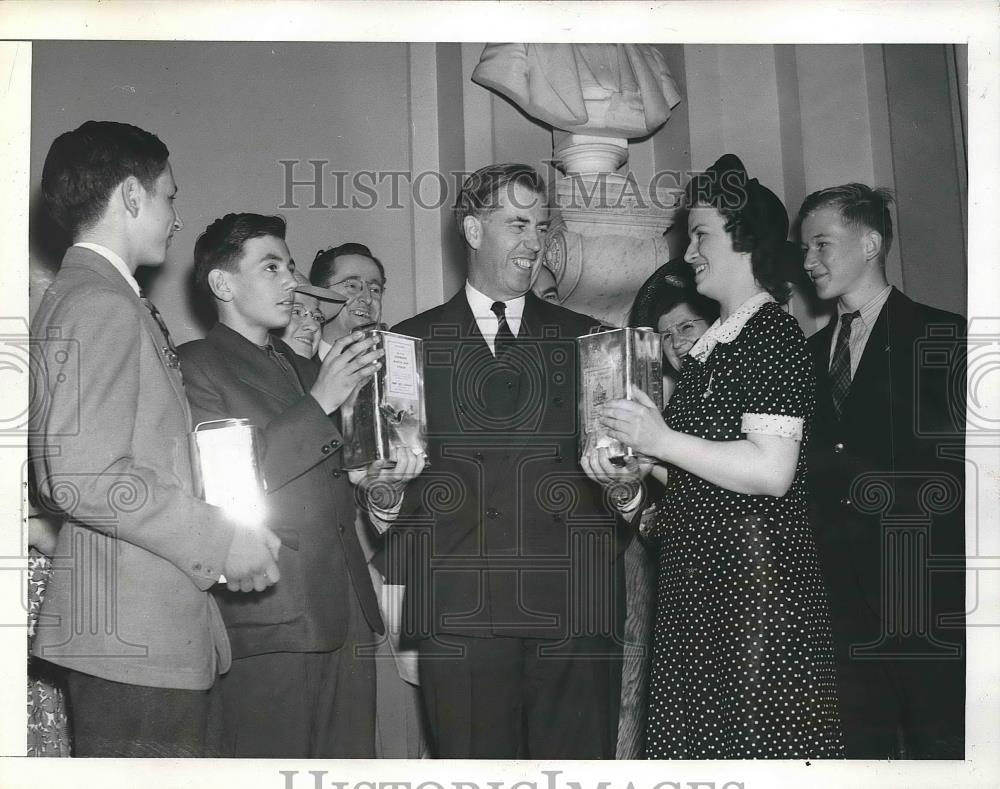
[755, 219]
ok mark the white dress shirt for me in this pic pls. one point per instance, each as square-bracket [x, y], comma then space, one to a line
[861, 327]
[487, 320]
[115, 260]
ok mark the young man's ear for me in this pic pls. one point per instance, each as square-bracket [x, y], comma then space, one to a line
[131, 195]
[473, 230]
[872, 245]
[218, 281]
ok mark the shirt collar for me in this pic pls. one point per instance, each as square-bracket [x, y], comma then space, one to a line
[115, 260]
[869, 312]
[482, 304]
[730, 330]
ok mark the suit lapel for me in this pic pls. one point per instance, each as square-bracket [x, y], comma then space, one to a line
[252, 365]
[819, 344]
[528, 337]
[306, 369]
[874, 367]
[90, 260]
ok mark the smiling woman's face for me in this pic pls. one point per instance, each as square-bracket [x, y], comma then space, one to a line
[680, 328]
[302, 334]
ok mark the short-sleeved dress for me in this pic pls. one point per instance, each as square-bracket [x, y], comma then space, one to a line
[742, 654]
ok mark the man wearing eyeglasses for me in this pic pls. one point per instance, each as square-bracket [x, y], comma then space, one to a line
[351, 272]
[355, 274]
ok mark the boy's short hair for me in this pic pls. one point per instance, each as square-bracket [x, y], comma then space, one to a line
[221, 245]
[860, 206]
[84, 166]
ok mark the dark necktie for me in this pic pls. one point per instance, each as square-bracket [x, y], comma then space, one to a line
[169, 350]
[505, 337]
[840, 367]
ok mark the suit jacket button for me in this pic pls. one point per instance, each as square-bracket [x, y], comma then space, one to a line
[336, 473]
[325, 449]
[334, 444]
[838, 447]
[478, 456]
[492, 513]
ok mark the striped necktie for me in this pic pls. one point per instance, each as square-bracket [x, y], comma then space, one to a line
[840, 367]
[169, 350]
[504, 337]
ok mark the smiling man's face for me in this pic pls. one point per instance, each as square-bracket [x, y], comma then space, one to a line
[507, 243]
[358, 279]
[834, 254]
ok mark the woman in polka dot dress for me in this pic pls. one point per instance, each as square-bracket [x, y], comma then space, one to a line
[742, 662]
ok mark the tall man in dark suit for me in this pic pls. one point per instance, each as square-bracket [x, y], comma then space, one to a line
[126, 610]
[302, 683]
[887, 477]
[513, 584]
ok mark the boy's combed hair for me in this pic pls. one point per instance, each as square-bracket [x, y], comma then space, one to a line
[860, 206]
[221, 245]
[83, 167]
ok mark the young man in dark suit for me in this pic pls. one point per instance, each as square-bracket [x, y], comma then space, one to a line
[887, 477]
[302, 682]
[513, 579]
[126, 610]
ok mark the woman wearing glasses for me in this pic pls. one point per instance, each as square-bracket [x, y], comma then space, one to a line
[669, 302]
[304, 330]
[742, 663]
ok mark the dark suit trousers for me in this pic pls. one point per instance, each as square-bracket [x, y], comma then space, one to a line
[505, 698]
[302, 705]
[112, 719]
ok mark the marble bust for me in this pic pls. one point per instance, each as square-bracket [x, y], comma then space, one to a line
[605, 90]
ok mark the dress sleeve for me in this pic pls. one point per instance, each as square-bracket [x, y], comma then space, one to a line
[780, 378]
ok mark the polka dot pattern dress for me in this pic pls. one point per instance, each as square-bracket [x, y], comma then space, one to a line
[742, 656]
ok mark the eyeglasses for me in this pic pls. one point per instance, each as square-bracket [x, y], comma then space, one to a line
[355, 286]
[299, 311]
[686, 330]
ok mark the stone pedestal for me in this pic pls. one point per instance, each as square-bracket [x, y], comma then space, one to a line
[608, 237]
